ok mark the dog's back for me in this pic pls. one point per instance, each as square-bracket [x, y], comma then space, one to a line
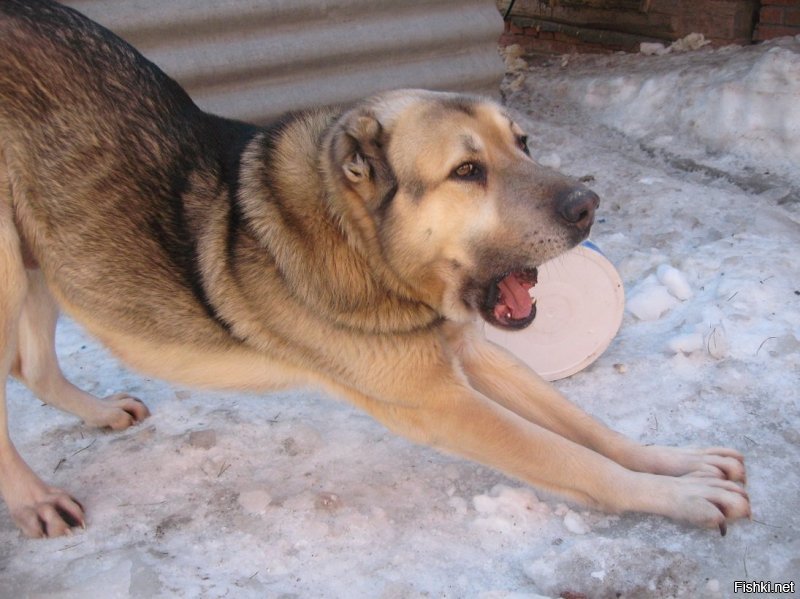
[108, 159]
[54, 57]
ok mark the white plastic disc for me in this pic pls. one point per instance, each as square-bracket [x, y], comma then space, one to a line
[580, 302]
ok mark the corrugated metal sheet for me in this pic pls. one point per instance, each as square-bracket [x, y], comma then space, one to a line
[254, 59]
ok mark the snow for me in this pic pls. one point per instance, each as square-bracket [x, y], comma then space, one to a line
[696, 157]
[675, 281]
[649, 300]
[737, 102]
[658, 293]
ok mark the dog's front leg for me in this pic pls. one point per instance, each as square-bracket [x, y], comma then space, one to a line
[502, 377]
[447, 413]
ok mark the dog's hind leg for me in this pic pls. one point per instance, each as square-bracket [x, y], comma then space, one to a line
[38, 509]
[37, 366]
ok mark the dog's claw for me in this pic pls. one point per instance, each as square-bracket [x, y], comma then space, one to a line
[70, 519]
[723, 528]
[118, 412]
[48, 512]
[42, 527]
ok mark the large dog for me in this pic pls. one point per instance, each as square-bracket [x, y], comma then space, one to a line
[351, 249]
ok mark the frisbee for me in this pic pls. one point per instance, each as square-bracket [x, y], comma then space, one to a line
[580, 302]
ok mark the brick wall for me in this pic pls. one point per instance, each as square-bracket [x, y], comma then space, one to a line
[564, 26]
[544, 37]
[778, 18]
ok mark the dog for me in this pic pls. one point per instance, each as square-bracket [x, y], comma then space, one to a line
[356, 249]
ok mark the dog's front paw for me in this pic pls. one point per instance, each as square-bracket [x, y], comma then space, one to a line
[117, 412]
[704, 501]
[714, 462]
[50, 512]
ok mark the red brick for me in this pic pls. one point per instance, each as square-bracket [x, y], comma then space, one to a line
[767, 32]
[563, 48]
[792, 17]
[565, 37]
[772, 15]
[506, 39]
[669, 7]
[524, 41]
[553, 47]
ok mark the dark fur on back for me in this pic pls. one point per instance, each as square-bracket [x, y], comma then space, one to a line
[166, 139]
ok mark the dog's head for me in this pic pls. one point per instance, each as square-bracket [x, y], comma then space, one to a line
[444, 185]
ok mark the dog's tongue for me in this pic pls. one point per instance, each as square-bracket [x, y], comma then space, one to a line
[514, 298]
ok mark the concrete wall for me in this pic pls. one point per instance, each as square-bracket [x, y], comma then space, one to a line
[254, 59]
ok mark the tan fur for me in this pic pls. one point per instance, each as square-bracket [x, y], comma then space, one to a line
[339, 248]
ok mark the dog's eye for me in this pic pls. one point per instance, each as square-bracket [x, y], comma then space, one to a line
[522, 142]
[465, 170]
[470, 171]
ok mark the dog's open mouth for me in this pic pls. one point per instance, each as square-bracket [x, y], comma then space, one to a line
[508, 303]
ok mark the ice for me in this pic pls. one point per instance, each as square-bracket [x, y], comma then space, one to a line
[504, 510]
[675, 281]
[693, 41]
[650, 301]
[550, 160]
[100, 576]
[203, 439]
[686, 343]
[652, 48]
[709, 337]
[608, 568]
[255, 501]
[695, 157]
[575, 524]
[511, 595]
[716, 341]
[656, 295]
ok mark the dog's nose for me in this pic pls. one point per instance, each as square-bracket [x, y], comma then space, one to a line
[577, 207]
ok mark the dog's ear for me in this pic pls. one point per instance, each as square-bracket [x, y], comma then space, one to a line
[356, 169]
[359, 151]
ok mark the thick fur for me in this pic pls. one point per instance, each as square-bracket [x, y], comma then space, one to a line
[353, 249]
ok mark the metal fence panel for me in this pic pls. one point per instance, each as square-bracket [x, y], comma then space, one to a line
[254, 59]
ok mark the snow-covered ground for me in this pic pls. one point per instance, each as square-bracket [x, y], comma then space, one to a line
[697, 159]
